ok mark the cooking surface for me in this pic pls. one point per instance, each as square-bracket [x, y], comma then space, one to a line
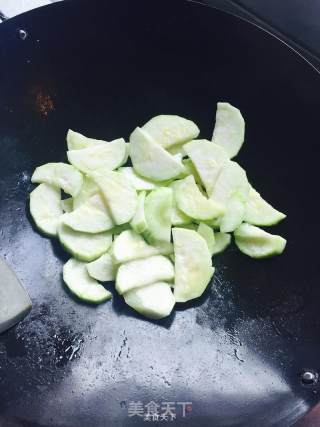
[237, 353]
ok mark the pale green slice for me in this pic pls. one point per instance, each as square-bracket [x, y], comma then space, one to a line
[88, 189]
[169, 130]
[102, 269]
[208, 159]
[142, 272]
[137, 181]
[119, 194]
[84, 246]
[177, 149]
[139, 222]
[102, 157]
[45, 208]
[222, 241]
[78, 281]
[158, 213]
[257, 243]
[234, 215]
[129, 246]
[91, 217]
[154, 301]
[67, 204]
[191, 170]
[193, 268]
[178, 217]
[59, 175]
[150, 160]
[77, 141]
[260, 212]
[126, 157]
[193, 203]
[208, 234]
[229, 128]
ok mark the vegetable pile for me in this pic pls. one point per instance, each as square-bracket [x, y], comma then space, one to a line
[152, 227]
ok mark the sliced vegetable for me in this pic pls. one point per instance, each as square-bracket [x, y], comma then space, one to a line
[178, 217]
[142, 272]
[229, 128]
[45, 208]
[208, 234]
[234, 215]
[88, 189]
[208, 159]
[129, 246]
[59, 175]
[102, 157]
[193, 269]
[257, 243]
[189, 166]
[77, 141]
[79, 282]
[139, 222]
[91, 217]
[158, 213]
[102, 269]
[119, 194]
[67, 204]
[222, 241]
[138, 182]
[154, 301]
[84, 246]
[150, 160]
[169, 130]
[193, 203]
[259, 212]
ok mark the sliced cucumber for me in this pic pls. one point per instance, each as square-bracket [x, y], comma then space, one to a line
[229, 128]
[169, 130]
[142, 272]
[234, 215]
[193, 268]
[84, 246]
[139, 222]
[102, 157]
[177, 149]
[193, 203]
[59, 175]
[222, 241]
[67, 204]
[77, 141]
[208, 159]
[76, 277]
[118, 229]
[102, 269]
[257, 243]
[45, 208]
[151, 160]
[192, 171]
[158, 213]
[138, 182]
[91, 217]
[232, 180]
[208, 234]
[119, 194]
[88, 189]
[129, 246]
[259, 212]
[153, 301]
[178, 217]
[126, 157]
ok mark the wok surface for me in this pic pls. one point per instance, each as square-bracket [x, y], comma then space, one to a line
[238, 351]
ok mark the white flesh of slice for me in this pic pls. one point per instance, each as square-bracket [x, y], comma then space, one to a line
[77, 141]
[260, 212]
[102, 269]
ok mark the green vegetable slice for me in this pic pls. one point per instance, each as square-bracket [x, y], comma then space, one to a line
[79, 282]
[77, 141]
[193, 268]
[67, 204]
[193, 203]
[129, 246]
[88, 189]
[139, 222]
[119, 194]
[158, 213]
[178, 217]
[229, 128]
[142, 272]
[260, 212]
[59, 175]
[45, 208]
[153, 301]
[257, 243]
[150, 160]
[102, 157]
[84, 246]
[208, 234]
[170, 130]
[102, 269]
[222, 241]
[138, 182]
